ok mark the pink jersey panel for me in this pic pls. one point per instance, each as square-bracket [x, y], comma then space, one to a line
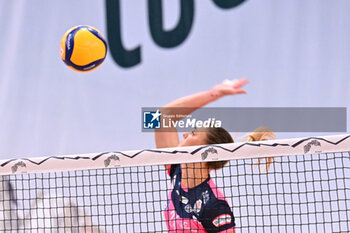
[177, 224]
[217, 192]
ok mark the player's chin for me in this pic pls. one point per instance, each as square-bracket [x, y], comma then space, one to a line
[185, 143]
[182, 144]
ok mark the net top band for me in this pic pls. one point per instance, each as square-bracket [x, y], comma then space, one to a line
[176, 155]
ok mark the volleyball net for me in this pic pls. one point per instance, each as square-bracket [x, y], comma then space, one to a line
[306, 188]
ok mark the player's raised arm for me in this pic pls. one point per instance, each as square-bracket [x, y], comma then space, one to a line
[188, 104]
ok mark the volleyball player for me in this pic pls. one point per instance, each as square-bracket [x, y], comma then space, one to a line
[195, 204]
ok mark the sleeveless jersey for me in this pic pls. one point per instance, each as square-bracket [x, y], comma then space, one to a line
[199, 209]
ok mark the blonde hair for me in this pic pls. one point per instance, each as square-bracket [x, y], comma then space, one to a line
[220, 135]
[261, 134]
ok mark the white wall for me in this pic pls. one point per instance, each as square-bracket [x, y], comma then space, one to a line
[295, 54]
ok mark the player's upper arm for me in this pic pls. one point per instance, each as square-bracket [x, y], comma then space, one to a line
[166, 139]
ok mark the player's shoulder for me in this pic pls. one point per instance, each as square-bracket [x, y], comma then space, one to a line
[217, 215]
[218, 204]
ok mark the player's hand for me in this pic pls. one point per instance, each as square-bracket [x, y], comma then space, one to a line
[230, 87]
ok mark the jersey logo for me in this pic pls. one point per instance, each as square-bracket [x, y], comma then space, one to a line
[184, 200]
[174, 180]
[205, 196]
[197, 206]
[221, 220]
[188, 208]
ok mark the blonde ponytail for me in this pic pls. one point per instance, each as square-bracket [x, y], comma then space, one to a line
[261, 134]
[220, 135]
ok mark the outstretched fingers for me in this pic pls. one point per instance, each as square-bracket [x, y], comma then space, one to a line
[238, 83]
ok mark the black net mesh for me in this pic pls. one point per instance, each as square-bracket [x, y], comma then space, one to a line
[305, 193]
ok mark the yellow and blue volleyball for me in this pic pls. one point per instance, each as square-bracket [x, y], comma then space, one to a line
[83, 48]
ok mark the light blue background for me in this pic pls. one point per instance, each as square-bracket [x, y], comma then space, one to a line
[295, 54]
